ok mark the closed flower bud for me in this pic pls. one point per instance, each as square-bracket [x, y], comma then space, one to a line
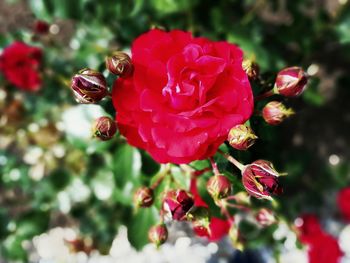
[177, 203]
[291, 82]
[275, 112]
[104, 128]
[260, 179]
[89, 86]
[199, 216]
[219, 187]
[251, 68]
[119, 64]
[158, 234]
[265, 217]
[241, 137]
[143, 197]
[41, 27]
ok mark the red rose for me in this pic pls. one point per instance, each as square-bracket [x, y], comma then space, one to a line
[322, 247]
[184, 96]
[343, 200]
[19, 63]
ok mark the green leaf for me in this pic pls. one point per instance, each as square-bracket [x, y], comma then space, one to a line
[139, 225]
[127, 165]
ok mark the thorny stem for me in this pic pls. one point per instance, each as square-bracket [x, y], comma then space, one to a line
[264, 95]
[214, 166]
[232, 160]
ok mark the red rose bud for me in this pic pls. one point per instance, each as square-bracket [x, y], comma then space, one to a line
[143, 197]
[265, 217]
[119, 64]
[41, 27]
[104, 128]
[260, 179]
[200, 220]
[177, 203]
[275, 112]
[158, 234]
[241, 137]
[291, 82]
[251, 68]
[89, 86]
[219, 187]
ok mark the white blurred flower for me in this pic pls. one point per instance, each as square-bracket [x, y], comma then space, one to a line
[344, 240]
[294, 256]
[77, 121]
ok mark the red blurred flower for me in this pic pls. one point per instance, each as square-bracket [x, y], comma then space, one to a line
[322, 247]
[218, 229]
[19, 63]
[41, 27]
[184, 96]
[343, 201]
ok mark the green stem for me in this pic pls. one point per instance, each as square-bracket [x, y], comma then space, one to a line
[232, 160]
[265, 95]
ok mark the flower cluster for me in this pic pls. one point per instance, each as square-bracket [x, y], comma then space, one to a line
[180, 98]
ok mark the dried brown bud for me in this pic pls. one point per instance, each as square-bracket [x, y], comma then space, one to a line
[251, 68]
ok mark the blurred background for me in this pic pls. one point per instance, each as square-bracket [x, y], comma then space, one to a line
[65, 197]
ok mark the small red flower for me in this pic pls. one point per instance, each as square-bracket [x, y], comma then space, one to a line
[343, 201]
[19, 63]
[322, 247]
[184, 96]
[218, 228]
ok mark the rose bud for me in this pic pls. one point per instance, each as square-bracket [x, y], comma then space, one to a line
[119, 64]
[291, 82]
[265, 217]
[219, 187]
[275, 112]
[89, 86]
[260, 179]
[143, 197]
[41, 27]
[158, 234]
[104, 128]
[177, 203]
[251, 69]
[199, 217]
[241, 137]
